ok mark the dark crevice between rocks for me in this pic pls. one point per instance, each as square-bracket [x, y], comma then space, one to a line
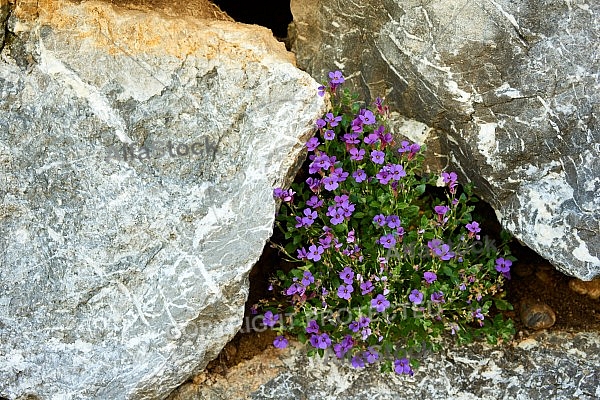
[5, 12]
[273, 14]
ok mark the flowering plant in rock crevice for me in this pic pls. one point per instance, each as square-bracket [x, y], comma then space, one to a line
[384, 270]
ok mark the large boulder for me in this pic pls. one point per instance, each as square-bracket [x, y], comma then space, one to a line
[138, 152]
[510, 88]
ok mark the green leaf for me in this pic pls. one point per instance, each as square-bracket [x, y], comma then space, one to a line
[502, 305]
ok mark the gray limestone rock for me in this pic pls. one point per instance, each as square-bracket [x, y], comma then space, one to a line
[138, 153]
[549, 365]
[510, 88]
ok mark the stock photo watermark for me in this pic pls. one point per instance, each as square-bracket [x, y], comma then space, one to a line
[203, 148]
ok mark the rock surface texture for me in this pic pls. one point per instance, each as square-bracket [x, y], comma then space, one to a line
[511, 88]
[138, 152]
[547, 366]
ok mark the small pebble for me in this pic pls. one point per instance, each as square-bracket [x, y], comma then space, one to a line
[591, 288]
[536, 315]
[544, 274]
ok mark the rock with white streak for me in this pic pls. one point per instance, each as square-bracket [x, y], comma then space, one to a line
[511, 88]
[138, 152]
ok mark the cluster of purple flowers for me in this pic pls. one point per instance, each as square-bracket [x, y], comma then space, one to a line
[409, 149]
[285, 195]
[329, 206]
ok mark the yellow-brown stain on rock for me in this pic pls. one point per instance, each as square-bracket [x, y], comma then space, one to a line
[131, 29]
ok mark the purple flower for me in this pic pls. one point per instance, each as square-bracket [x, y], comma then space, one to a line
[331, 120]
[313, 184]
[325, 241]
[366, 117]
[404, 147]
[351, 138]
[357, 125]
[351, 238]
[403, 367]
[345, 292]
[336, 214]
[330, 183]
[354, 326]
[314, 202]
[295, 288]
[336, 78]
[429, 277]
[347, 275]
[359, 175]
[314, 340]
[363, 322]
[393, 221]
[320, 123]
[478, 315]
[357, 361]
[434, 243]
[440, 249]
[269, 319]
[329, 135]
[387, 241]
[473, 229]
[321, 90]
[416, 297]
[344, 346]
[339, 200]
[451, 179]
[371, 355]
[365, 333]
[340, 175]
[437, 297]
[380, 303]
[444, 252]
[312, 144]
[366, 287]
[309, 217]
[286, 195]
[302, 254]
[280, 342]
[397, 171]
[371, 138]
[322, 161]
[379, 219]
[312, 327]
[454, 328]
[379, 104]
[378, 157]
[323, 341]
[503, 266]
[307, 278]
[441, 210]
[314, 252]
[383, 176]
[357, 154]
